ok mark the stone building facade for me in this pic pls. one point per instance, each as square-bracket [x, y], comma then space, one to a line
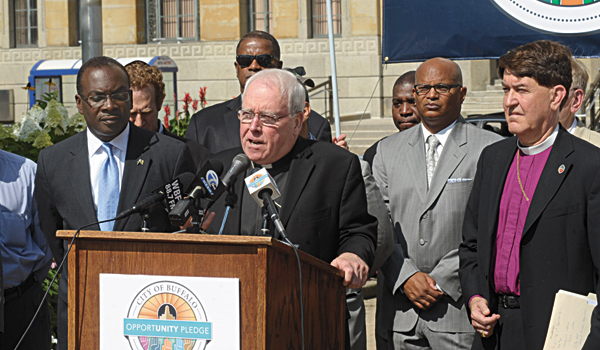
[203, 45]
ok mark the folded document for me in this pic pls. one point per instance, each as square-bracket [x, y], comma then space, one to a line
[570, 320]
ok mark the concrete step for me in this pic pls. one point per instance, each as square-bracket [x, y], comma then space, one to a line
[364, 133]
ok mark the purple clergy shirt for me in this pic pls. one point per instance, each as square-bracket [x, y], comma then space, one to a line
[511, 219]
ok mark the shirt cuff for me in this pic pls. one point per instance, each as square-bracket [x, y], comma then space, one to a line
[476, 295]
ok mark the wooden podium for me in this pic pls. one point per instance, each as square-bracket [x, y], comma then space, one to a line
[267, 270]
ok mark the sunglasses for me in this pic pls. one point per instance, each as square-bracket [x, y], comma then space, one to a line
[264, 60]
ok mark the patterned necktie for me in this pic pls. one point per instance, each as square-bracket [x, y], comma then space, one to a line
[431, 157]
[108, 189]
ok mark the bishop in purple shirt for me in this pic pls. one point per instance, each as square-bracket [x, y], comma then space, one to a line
[532, 224]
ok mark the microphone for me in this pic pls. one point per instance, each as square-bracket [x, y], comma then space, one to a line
[208, 187]
[240, 163]
[259, 181]
[263, 189]
[172, 192]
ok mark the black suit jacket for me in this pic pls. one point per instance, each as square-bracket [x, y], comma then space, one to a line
[199, 153]
[64, 192]
[560, 245]
[324, 207]
[218, 127]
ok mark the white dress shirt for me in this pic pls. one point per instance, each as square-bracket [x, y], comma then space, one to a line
[442, 136]
[97, 156]
[573, 127]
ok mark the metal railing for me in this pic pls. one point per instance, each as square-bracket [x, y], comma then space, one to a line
[324, 89]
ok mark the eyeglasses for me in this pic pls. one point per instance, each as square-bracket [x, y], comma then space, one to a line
[264, 60]
[423, 89]
[246, 117]
[96, 101]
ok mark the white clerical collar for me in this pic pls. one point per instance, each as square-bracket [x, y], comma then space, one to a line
[442, 135]
[533, 150]
[573, 127]
[120, 142]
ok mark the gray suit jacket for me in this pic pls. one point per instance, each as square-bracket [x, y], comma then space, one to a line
[586, 134]
[427, 224]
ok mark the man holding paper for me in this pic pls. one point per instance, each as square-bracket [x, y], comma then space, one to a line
[531, 225]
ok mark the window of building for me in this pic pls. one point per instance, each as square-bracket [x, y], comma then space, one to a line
[261, 17]
[319, 17]
[25, 23]
[172, 20]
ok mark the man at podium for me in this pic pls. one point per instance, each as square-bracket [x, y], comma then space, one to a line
[322, 205]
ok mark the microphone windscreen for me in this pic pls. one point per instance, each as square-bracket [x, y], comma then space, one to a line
[259, 181]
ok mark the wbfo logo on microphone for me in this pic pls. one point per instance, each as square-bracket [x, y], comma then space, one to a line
[167, 315]
[144, 312]
[554, 16]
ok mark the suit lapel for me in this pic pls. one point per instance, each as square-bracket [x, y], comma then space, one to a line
[137, 165]
[551, 179]
[416, 163]
[451, 157]
[300, 170]
[80, 178]
[232, 123]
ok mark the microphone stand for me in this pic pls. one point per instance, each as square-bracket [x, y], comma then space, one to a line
[266, 220]
[145, 216]
[230, 201]
[197, 218]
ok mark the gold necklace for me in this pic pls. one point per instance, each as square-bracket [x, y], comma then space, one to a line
[519, 177]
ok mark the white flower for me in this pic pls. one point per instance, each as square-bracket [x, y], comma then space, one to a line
[27, 130]
[36, 113]
[77, 122]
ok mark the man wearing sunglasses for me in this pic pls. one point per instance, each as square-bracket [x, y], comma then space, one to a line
[217, 127]
[103, 170]
[422, 303]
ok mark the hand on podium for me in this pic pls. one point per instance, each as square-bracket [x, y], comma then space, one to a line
[210, 216]
[356, 271]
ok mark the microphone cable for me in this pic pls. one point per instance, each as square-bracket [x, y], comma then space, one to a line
[54, 278]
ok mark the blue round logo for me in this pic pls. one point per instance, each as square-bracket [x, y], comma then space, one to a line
[212, 179]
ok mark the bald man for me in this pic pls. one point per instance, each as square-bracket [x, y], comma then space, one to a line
[425, 175]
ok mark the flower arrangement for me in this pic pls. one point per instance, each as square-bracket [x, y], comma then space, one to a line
[45, 124]
[179, 124]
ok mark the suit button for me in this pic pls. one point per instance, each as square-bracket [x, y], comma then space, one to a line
[424, 216]
[422, 241]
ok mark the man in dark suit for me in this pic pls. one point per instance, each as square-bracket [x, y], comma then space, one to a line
[323, 203]
[217, 127]
[103, 170]
[148, 95]
[531, 225]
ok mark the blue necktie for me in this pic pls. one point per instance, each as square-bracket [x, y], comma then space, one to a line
[108, 189]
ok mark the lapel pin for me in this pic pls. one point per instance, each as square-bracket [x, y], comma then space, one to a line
[141, 162]
[561, 168]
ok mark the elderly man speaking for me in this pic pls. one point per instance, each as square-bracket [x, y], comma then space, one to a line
[323, 204]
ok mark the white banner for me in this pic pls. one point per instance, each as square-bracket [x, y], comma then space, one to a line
[142, 312]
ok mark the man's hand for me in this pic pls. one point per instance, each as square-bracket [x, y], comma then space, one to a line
[356, 271]
[208, 219]
[340, 141]
[482, 318]
[421, 290]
